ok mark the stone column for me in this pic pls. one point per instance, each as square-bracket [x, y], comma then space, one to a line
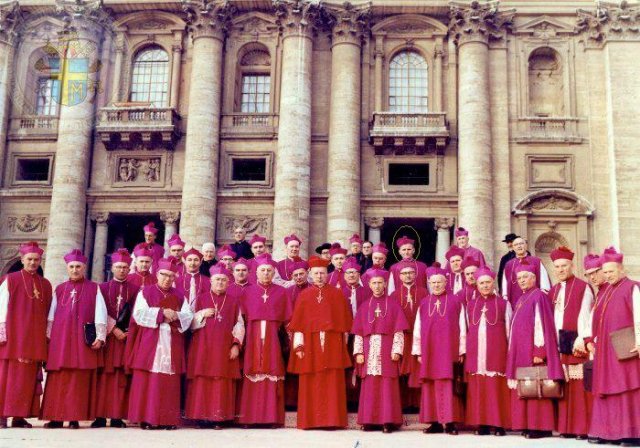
[176, 49]
[471, 26]
[343, 204]
[118, 67]
[170, 220]
[9, 20]
[375, 229]
[379, 60]
[83, 34]
[207, 21]
[100, 246]
[443, 241]
[292, 204]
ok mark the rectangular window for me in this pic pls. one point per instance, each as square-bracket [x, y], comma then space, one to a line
[32, 170]
[256, 91]
[249, 170]
[48, 96]
[409, 174]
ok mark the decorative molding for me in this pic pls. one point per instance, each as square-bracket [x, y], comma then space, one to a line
[550, 171]
[444, 223]
[169, 217]
[549, 241]
[554, 202]
[208, 18]
[410, 25]
[349, 22]
[83, 15]
[255, 23]
[27, 224]
[374, 222]
[261, 224]
[609, 22]
[476, 22]
[133, 169]
[299, 17]
[101, 218]
[10, 19]
[544, 28]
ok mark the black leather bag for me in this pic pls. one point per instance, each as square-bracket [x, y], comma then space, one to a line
[124, 316]
[566, 339]
[459, 385]
[90, 334]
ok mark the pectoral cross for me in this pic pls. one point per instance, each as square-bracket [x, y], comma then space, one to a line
[36, 293]
[119, 300]
[438, 303]
[73, 296]
[484, 309]
[378, 311]
[265, 296]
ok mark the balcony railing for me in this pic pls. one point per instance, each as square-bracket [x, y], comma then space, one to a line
[246, 125]
[548, 129]
[129, 126]
[35, 127]
[393, 129]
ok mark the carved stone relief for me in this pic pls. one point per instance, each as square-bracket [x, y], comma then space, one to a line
[27, 224]
[140, 169]
[260, 224]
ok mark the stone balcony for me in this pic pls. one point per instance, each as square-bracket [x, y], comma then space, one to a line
[34, 127]
[249, 125]
[416, 133]
[548, 130]
[138, 126]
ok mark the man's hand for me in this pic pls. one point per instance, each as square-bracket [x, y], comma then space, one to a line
[208, 312]
[300, 354]
[360, 359]
[395, 357]
[420, 359]
[461, 359]
[578, 352]
[169, 315]
[537, 361]
[119, 334]
[97, 344]
[234, 352]
[635, 350]
[591, 347]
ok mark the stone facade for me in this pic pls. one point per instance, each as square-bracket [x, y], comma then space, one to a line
[528, 123]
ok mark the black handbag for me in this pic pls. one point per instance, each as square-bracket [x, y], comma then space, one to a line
[566, 340]
[459, 385]
[124, 316]
[90, 334]
[587, 375]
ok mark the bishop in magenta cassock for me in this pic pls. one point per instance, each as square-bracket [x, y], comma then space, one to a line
[409, 295]
[379, 329]
[489, 321]
[176, 250]
[141, 275]
[455, 276]
[532, 342]
[469, 267]
[338, 257]
[226, 255]
[407, 250]
[25, 298]
[616, 383]
[379, 259]
[155, 351]
[157, 250]
[266, 310]
[258, 247]
[213, 366]
[113, 383]
[300, 278]
[355, 294]
[462, 241]
[192, 283]
[320, 325]
[70, 393]
[439, 335]
[510, 287]
[572, 301]
[285, 267]
[240, 272]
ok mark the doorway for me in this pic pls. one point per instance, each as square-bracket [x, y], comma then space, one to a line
[421, 230]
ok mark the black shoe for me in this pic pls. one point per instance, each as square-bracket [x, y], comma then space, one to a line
[500, 432]
[118, 423]
[450, 428]
[596, 440]
[216, 427]
[19, 422]
[145, 425]
[368, 428]
[538, 434]
[435, 428]
[568, 436]
[581, 437]
[53, 424]
[171, 427]
[482, 431]
[73, 424]
[630, 442]
[99, 422]
[387, 429]
[3, 423]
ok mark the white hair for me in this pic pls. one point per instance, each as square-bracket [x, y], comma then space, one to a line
[208, 246]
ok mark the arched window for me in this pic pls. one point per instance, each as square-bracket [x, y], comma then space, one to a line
[255, 72]
[546, 85]
[408, 83]
[150, 77]
[48, 86]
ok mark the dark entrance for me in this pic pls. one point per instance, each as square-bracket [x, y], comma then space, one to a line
[421, 230]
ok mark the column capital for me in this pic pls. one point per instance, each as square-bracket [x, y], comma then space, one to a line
[609, 22]
[444, 223]
[478, 22]
[299, 17]
[100, 217]
[169, 217]
[349, 22]
[9, 20]
[374, 222]
[208, 18]
[85, 18]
